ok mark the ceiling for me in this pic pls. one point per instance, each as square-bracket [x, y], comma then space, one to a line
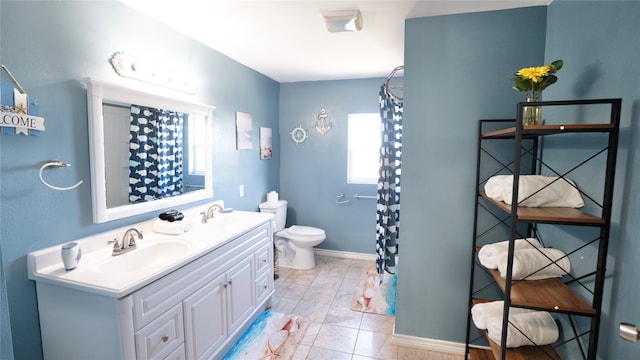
[288, 41]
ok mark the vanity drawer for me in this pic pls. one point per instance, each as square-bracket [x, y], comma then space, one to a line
[263, 261]
[162, 336]
[177, 354]
[264, 285]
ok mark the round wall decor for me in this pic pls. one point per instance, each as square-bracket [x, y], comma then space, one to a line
[298, 135]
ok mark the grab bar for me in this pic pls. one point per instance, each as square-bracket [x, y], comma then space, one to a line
[365, 196]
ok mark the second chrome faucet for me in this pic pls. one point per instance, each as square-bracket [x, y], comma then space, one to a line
[210, 213]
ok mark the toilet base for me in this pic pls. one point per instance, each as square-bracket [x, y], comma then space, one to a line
[304, 259]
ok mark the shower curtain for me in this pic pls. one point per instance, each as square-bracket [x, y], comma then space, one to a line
[388, 196]
[155, 154]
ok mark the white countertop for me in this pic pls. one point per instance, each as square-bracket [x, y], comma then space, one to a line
[117, 276]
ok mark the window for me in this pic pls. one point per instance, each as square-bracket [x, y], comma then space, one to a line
[363, 148]
[197, 145]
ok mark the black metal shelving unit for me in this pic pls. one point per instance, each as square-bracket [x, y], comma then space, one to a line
[506, 147]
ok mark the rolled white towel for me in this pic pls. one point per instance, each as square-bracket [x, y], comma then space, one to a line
[557, 193]
[494, 187]
[170, 228]
[488, 254]
[532, 264]
[481, 313]
[531, 328]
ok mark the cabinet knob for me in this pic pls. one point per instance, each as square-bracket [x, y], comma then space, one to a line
[165, 338]
[229, 282]
[224, 285]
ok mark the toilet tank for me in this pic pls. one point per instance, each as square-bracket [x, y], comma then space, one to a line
[279, 208]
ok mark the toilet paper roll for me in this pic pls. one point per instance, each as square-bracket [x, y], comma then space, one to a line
[272, 197]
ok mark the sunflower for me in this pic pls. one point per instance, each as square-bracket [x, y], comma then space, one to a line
[530, 81]
[534, 74]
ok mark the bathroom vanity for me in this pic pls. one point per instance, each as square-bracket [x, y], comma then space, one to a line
[186, 296]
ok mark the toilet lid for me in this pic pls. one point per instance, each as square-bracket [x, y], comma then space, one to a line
[305, 230]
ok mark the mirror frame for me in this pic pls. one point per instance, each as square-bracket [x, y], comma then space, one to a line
[100, 91]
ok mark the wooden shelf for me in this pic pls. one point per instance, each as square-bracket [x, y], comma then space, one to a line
[547, 294]
[531, 131]
[480, 354]
[544, 352]
[551, 215]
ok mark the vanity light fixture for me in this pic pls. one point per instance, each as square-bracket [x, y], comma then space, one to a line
[138, 69]
[343, 21]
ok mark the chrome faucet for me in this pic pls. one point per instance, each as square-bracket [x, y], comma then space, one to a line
[210, 213]
[128, 242]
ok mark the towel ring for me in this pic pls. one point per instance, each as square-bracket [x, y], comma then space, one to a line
[56, 164]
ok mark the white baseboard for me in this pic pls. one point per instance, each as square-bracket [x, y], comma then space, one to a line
[428, 344]
[344, 254]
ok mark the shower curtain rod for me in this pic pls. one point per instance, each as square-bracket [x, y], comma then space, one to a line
[386, 82]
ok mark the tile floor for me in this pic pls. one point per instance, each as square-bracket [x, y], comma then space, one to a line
[323, 296]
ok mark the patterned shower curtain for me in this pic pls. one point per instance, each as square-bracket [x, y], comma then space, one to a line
[155, 154]
[388, 206]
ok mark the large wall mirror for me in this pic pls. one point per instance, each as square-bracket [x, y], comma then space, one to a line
[148, 152]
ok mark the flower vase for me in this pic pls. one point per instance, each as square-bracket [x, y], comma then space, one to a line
[532, 115]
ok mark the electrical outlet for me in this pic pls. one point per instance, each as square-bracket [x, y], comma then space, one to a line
[241, 190]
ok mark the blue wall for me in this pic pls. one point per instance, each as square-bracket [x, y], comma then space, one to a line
[50, 47]
[457, 71]
[6, 348]
[314, 172]
[601, 53]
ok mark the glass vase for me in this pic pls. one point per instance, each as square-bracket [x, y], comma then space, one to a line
[531, 115]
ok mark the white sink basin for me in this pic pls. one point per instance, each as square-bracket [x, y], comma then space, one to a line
[147, 255]
[156, 255]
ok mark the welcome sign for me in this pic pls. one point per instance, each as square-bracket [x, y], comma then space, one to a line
[18, 115]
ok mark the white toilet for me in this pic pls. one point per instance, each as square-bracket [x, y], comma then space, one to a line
[294, 244]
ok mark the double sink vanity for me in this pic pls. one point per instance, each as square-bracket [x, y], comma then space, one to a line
[187, 296]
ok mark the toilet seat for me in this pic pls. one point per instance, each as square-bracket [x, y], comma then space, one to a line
[302, 233]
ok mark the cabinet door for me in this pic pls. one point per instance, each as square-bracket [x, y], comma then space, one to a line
[205, 319]
[240, 292]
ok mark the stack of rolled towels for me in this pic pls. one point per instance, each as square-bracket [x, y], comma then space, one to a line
[531, 261]
[535, 191]
[526, 327]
